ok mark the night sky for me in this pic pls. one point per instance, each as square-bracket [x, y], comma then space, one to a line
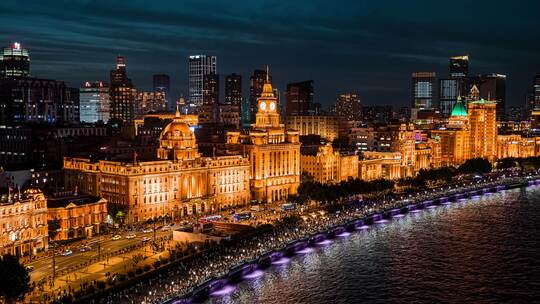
[366, 46]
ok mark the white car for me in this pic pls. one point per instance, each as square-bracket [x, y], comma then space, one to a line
[116, 237]
[130, 236]
[67, 253]
[147, 230]
[146, 239]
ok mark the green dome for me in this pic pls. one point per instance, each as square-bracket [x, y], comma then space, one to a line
[459, 109]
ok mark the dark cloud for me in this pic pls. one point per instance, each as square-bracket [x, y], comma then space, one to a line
[366, 46]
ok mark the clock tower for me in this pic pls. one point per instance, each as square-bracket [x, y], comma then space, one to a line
[267, 115]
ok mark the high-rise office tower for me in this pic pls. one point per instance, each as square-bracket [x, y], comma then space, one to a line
[455, 86]
[233, 89]
[211, 89]
[424, 88]
[122, 92]
[208, 111]
[94, 102]
[534, 103]
[14, 61]
[162, 84]
[483, 127]
[348, 105]
[299, 98]
[150, 102]
[199, 65]
[257, 81]
[493, 87]
[459, 66]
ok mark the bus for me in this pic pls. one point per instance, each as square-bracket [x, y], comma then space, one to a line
[289, 206]
[210, 218]
[242, 216]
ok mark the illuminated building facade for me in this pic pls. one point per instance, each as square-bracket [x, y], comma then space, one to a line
[273, 152]
[94, 102]
[455, 137]
[325, 126]
[122, 93]
[76, 216]
[14, 61]
[483, 127]
[23, 220]
[329, 166]
[514, 145]
[178, 184]
[377, 165]
[256, 81]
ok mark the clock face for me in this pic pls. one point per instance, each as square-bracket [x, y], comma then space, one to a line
[263, 106]
[272, 106]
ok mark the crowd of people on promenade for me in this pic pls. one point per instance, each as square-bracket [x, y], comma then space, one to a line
[215, 261]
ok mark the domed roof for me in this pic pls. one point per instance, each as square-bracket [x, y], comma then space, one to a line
[459, 109]
[177, 128]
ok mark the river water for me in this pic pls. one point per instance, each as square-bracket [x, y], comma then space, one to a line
[479, 250]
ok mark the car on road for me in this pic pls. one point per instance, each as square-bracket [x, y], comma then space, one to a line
[130, 236]
[116, 237]
[166, 228]
[29, 268]
[146, 239]
[147, 230]
[67, 252]
[85, 248]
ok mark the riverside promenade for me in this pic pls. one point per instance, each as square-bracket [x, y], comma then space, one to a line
[209, 273]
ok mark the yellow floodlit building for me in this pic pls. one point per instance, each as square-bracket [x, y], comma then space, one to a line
[483, 128]
[325, 126]
[273, 151]
[23, 220]
[376, 165]
[329, 166]
[179, 183]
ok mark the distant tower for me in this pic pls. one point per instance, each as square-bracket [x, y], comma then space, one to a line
[122, 93]
[424, 85]
[257, 81]
[233, 89]
[162, 84]
[14, 61]
[199, 65]
[299, 98]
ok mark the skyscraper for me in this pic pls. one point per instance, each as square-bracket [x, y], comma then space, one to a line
[534, 102]
[299, 98]
[459, 66]
[14, 61]
[257, 81]
[199, 65]
[208, 111]
[94, 102]
[122, 92]
[455, 86]
[233, 89]
[424, 89]
[493, 87]
[162, 84]
[348, 105]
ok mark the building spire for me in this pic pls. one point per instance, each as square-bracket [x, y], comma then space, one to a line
[177, 114]
[267, 74]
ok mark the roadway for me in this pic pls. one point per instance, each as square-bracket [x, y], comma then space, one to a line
[43, 267]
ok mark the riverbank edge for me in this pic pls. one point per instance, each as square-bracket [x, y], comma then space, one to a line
[204, 289]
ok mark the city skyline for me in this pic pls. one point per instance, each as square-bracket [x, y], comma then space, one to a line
[386, 42]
